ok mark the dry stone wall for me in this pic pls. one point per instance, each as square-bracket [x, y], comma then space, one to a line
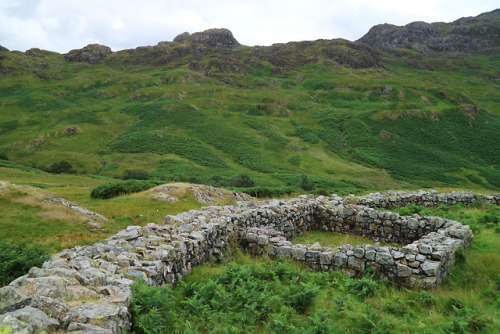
[430, 198]
[87, 289]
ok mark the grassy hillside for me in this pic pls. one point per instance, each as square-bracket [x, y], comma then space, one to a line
[350, 117]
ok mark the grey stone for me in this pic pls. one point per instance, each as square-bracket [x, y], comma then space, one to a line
[384, 258]
[325, 258]
[430, 267]
[403, 271]
[135, 274]
[359, 252]
[370, 255]
[262, 240]
[87, 329]
[29, 319]
[356, 263]
[425, 249]
[299, 254]
[339, 259]
[420, 258]
[312, 256]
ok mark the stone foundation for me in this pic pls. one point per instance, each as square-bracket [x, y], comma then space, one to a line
[87, 289]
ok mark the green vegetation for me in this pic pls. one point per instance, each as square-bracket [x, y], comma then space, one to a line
[350, 117]
[114, 189]
[333, 239]
[17, 258]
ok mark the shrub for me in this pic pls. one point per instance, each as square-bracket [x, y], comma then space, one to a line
[3, 156]
[113, 189]
[295, 160]
[60, 167]
[241, 181]
[410, 209]
[16, 259]
[265, 192]
[136, 174]
[151, 308]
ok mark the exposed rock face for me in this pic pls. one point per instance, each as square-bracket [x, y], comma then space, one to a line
[3, 49]
[215, 38]
[92, 53]
[36, 52]
[182, 37]
[463, 35]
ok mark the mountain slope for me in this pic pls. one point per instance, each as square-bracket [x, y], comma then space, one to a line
[205, 109]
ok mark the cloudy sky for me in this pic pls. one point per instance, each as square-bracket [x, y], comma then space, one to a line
[62, 25]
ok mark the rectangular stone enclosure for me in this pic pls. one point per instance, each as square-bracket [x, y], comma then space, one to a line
[88, 288]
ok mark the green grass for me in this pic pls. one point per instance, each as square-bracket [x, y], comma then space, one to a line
[334, 240]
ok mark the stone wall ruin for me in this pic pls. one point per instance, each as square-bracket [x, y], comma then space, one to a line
[87, 289]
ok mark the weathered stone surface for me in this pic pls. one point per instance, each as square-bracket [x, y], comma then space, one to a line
[384, 258]
[430, 267]
[463, 35]
[217, 38]
[356, 263]
[92, 53]
[403, 271]
[29, 320]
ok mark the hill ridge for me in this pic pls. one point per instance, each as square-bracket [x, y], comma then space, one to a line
[467, 34]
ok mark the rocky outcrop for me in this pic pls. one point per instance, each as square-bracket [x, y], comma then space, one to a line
[463, 35]
[87, 289]
[210, 195]
[3, 49]
[215, 38]
[92, 53]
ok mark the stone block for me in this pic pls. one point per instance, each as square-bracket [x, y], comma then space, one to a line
[299, 254]
[370, 255]
[356, 263]
[430, 268]
[384, 258]
[339, 259]
[425, 249]
[325, 258]
[312, 256]
[403, 271]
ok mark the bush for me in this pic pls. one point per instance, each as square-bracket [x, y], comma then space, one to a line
[266, 192]
[16, 259]
[239, 300]
[295, 160]
[136, 174]
[410, 210]
[113, 189]
[3, 156]
[241, 181]
[60, 167]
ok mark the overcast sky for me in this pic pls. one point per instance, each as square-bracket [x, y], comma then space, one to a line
[62, 25]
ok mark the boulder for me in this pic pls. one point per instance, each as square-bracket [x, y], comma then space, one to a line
[216, 38]
[92, 53]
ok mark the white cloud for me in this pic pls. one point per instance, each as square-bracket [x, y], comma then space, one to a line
[62, 25]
